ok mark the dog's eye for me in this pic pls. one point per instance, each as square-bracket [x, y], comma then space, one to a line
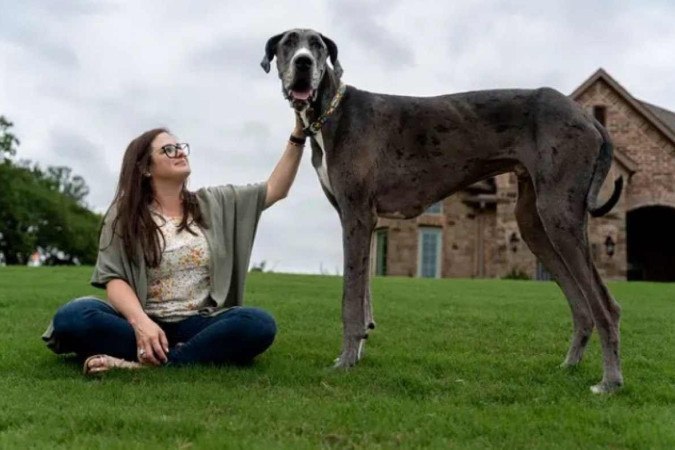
[314, 43]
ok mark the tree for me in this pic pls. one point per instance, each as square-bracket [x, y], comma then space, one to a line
[60, 179]
[16, 214]
[42, 208]
[33, 214]
[72, 186]
[8, 141]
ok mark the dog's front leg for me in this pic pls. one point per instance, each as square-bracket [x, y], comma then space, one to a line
[356, 233]
[368, 308]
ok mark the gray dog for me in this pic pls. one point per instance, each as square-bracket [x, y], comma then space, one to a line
[393, 156]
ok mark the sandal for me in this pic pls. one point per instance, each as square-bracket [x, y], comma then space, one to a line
[110, 362]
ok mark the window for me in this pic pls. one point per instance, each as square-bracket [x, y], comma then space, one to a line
[429, 252]
[381, 241]
[600, 113]
[436, 208]
[542, 273]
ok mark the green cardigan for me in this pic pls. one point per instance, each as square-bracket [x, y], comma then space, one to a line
[231, 213]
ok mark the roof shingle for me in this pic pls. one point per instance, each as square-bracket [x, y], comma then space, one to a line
[665, 116]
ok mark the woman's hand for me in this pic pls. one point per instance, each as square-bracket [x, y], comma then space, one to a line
[151, 341]
[299, 126]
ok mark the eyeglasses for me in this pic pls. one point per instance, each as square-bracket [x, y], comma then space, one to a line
[171, 150]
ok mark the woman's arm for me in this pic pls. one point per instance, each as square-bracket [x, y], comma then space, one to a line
[149, 336]
[281, 179]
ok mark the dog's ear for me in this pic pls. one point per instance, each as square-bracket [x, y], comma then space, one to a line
[270, 51]
[333, 53]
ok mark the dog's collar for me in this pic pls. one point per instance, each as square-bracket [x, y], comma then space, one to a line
[315, 126]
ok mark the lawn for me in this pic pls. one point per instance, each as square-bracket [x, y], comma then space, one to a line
[452, 364]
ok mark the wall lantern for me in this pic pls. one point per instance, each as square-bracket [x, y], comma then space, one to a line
[610, 246]
[514, 240]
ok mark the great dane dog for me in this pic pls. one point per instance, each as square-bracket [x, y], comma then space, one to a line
[393, 156]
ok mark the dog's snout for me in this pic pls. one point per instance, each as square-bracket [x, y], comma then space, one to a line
[303, 62]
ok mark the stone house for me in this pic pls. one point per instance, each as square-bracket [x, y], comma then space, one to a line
[474, 234]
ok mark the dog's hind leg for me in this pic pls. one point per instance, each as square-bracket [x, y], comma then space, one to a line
[535, 237]
[565, 224]
[357, 228]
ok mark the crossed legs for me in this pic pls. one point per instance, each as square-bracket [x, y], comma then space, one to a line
[89, 327]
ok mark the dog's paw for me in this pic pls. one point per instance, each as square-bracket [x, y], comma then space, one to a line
[569, 365]
[349, 358]
[341, 363]
[605, 387]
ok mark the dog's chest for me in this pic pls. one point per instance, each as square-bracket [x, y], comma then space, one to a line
[322, 167]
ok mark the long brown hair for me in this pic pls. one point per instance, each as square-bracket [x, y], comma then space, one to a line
[133, 220]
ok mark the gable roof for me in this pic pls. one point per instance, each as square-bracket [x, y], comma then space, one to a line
[660, 118]
[667, 117]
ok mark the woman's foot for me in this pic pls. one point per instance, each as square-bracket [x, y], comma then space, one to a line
[103, 363]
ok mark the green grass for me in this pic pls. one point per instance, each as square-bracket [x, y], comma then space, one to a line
[452, 364]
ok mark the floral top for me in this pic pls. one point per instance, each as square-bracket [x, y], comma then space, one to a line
[179, 286]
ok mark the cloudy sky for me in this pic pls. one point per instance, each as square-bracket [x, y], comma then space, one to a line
[80, 79]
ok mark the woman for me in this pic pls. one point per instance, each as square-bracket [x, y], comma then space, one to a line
[173, 264]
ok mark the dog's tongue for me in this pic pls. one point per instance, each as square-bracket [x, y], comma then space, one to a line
[301, 95]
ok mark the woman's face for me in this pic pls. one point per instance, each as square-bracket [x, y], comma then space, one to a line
[164, 167]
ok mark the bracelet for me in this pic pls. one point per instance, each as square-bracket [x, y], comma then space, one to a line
[297, 141]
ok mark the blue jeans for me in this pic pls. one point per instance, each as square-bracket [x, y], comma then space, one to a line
[88, 327]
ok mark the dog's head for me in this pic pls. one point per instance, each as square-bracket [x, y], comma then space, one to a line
[301, 62]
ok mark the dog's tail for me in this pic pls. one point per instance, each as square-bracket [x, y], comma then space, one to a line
[602, 166]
